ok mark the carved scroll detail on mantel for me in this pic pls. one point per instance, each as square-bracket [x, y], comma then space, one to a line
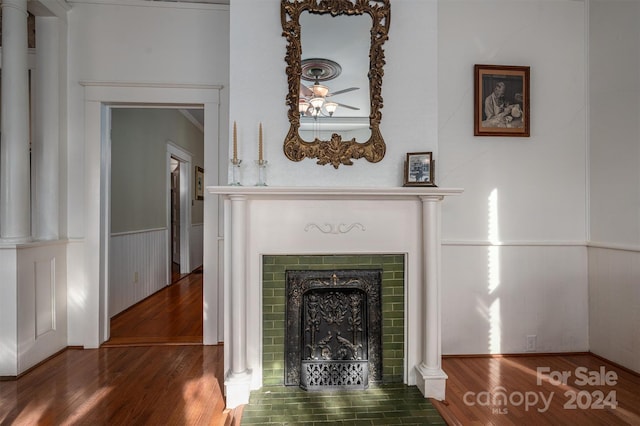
[329, 228]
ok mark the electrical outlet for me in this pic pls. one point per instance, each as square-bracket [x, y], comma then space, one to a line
[135, 277]
[531, 343]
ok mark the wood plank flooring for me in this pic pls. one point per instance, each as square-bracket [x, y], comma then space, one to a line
[138, 383]
[172, 315]
[153, 385]
[474, 381]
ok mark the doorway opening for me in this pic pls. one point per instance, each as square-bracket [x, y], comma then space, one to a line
[181, 209]
[174, 176]
[153, 243]
[95, 255]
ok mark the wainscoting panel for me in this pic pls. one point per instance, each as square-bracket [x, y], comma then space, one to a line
[8, 311]
[614, 305]
[137, 267]
[196, 242]
[42, 301]
[45, 282]
[494, 296]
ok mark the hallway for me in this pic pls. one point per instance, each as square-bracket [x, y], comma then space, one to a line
[172, 315]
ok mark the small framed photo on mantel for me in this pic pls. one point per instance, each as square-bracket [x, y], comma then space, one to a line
[418, 169]
[501, 100]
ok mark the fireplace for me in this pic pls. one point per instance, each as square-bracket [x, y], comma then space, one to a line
[275, 269]
[333, 329]
[279, 221]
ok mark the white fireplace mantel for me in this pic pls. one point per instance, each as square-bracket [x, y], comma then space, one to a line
[331, 220]
[332, 192]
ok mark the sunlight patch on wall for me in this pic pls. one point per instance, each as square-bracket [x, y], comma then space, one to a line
[494, 328]
[77, 298]
[494, 273]
[494, 241]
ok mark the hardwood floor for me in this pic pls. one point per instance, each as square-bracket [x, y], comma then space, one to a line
[475, 381]
[152, 385]
[173, 315]
[130, 382]
[175, 273]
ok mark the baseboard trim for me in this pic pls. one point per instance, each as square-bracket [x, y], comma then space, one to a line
[49, 358]
[616, 365]
[614, 246]
[536, 354]
[525, 354]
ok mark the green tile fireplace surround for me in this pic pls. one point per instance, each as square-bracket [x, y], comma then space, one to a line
[274, 301]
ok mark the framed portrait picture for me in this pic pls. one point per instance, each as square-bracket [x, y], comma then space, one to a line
[199, 183]
[501, 100]
[418, 169]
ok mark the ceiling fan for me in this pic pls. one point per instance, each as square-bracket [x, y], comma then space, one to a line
[314, 100]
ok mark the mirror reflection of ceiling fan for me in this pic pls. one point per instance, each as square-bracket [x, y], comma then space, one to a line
[314, 100]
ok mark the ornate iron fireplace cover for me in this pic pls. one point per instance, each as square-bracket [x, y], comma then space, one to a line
[333, 334]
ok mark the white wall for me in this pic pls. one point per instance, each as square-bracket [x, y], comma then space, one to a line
[614, 66]
[495, 296]
[514, 262]
[168, 48]
[537, 185]
[145, 42]
[614, 275]
[528, 194]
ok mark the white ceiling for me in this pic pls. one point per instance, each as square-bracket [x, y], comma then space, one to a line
[345, 40]
[196, 116]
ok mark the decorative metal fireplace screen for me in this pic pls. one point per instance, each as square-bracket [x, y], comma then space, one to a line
[333, 333]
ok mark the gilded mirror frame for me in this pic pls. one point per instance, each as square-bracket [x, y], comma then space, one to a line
[336, 151]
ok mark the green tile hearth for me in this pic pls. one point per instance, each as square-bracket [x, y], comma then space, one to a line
[395, 404]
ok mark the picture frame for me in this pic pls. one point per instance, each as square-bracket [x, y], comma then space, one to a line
[418, 169]
[199, 183]
[501, 100]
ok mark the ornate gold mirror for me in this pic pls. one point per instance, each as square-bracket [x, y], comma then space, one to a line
[310, 99]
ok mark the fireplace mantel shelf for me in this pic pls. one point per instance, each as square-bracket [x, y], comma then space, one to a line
[321, 191]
